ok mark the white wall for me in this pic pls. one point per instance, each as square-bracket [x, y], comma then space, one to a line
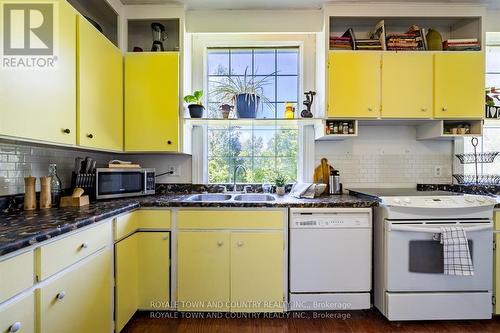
[492, 21]
[387, 156]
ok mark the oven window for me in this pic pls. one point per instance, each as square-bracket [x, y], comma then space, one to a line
[120, 182]
[426, 256]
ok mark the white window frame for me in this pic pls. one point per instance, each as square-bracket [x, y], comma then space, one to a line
[200, 43]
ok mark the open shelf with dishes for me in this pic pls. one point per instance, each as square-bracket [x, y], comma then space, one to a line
[336, 129]
[449, 129]
[405, 33]
[101, 15]
[146, 35]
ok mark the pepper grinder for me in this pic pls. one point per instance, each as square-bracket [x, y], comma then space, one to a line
[29, 193]
[45, 194]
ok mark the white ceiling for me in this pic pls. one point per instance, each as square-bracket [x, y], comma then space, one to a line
[279, 4]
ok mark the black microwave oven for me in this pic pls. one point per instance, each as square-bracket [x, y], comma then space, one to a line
[120, 183]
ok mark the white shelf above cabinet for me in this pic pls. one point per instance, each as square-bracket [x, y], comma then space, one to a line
[321, 135]
[439, 129]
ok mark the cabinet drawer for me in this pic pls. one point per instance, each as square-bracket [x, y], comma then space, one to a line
[16, 275]
[20, 314]
[230, 219]
[56, 256]
[141, 219]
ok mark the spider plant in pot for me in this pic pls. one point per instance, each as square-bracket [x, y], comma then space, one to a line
[280, 182]
[246, 93]
[195, 107]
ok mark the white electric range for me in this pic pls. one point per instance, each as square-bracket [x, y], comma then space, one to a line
[409, 283]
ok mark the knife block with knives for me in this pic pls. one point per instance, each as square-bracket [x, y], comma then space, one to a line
[83, 176]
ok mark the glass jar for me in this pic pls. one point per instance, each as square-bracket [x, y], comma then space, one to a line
[55, 185]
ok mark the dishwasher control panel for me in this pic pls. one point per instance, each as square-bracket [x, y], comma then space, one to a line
[330, 221]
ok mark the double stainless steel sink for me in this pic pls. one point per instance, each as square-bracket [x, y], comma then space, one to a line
[222, 197]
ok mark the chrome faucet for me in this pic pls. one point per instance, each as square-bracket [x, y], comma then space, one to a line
[236, 168]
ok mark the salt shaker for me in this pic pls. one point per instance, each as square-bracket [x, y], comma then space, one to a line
[45, 194]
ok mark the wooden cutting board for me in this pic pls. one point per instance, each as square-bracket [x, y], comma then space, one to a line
[322, 173]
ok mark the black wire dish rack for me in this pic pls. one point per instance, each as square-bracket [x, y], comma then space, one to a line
[476, 159]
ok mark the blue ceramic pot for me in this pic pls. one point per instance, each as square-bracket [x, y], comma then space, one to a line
[247, 105]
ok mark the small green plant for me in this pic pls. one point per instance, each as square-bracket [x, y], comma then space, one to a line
[195, 98]
[280, 180]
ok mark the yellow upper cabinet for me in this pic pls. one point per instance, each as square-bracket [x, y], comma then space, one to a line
[100, 90]
[407, 88]
[40, 104]
[459, 85]
[354, 84]
[152, 102]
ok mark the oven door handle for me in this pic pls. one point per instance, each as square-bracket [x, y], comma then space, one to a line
[436, 229]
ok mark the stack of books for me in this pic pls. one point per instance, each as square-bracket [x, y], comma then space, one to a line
[368, 44]
[340, 43]
[465, 44]
[412, 40]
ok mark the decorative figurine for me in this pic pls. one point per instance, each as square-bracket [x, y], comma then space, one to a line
[308, 103]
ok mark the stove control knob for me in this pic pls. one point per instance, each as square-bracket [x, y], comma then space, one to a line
[407, 200]
[397, 201]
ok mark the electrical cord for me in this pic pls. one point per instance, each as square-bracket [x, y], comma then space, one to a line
[165, 173]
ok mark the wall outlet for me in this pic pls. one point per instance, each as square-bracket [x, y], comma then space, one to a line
[174, 171]
[438, 171]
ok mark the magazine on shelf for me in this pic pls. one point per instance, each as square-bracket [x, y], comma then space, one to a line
[379, 33]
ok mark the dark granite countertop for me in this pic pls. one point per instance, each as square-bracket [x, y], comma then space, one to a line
[19, 229]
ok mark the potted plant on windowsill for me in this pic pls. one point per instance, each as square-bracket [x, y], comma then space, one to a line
[280, 182]
[246, 93]
[195, 107]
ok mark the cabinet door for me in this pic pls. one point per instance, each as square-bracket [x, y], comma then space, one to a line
[496, 309]
[354, 84]
[154, 270]
[100, 90]
[459, 85]
[257, 271]
[126, 281]
[41, 104]
[20, 315]
[80, 301]
[407, 85]
[152, 101]
[203, 271]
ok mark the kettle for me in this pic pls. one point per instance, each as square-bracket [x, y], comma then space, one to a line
[159, 36]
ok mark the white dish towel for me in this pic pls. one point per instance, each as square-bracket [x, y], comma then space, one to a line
[457, 260]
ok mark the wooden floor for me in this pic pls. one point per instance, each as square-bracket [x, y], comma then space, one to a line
[369, 321]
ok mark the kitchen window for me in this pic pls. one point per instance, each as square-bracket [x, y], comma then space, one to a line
[263, 147]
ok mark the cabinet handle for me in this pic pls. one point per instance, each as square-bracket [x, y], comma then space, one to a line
[15, 327]
[370, 109]
[444, 108]
[165, 238]
[240, 243]
[220, 243]
[61, 295]
[169, 142]
[66, 131]
[85, 245]
[423, 109]
[90, 136]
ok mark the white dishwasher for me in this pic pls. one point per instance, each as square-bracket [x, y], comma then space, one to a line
[330, 258]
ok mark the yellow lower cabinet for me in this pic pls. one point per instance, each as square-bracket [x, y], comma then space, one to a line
[18, 316]
[203, 274]
[126, 280]
[79, 301]
[154, 270]
[257, 271]
[496, 310]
